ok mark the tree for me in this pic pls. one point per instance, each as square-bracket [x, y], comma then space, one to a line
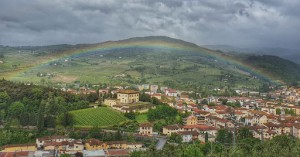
[176, 138]
[130, 115]
[224, 136]
[66, 119]
[244, 133]
[162, 112]
[206, 137]
[118, 135]
[4, 100]
[278, 111]
[204, 101]
[16, 109]
[78, 154]
[211, 104]
[41, 117]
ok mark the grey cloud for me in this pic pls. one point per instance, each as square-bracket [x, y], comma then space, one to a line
[239, 22]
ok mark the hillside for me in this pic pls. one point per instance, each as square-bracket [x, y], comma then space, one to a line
[159, 60]
[283, 69]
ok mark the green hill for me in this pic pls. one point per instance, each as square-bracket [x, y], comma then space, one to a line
[182, 65]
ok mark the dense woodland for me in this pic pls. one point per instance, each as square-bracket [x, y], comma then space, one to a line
[246, 145]
[43, 107]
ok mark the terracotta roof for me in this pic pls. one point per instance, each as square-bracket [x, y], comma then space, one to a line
[191, 117]
[241, 109]
[221, 107]
[271, 132]
[18, 145]
[193, 133]
[201, 111]
[221, 112]
[14, 154]
[117, 152]
[200, 127]
[128, 92]
[297, 126]
[172, 127]
[146, 125]
[270, 124]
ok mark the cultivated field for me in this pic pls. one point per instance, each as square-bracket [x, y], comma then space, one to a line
[97, 117]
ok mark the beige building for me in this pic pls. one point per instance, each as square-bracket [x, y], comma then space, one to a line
[146, 129]
[110, 102]
[191, 120]
[128, 96]
[168, 130]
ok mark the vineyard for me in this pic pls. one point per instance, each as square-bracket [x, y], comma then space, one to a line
[100, 117]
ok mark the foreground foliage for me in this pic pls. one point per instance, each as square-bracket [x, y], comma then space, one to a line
[281, 146]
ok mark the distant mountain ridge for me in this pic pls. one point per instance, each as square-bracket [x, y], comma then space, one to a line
[286, 53]
[158, 65]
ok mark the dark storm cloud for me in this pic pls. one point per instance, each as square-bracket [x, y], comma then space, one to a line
[265, 23]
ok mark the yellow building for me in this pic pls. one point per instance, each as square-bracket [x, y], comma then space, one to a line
[146, 129]
[110, 102]
[123, 145]
[128, 96]
[191, 120]
[168, 130]
[94, 144]
[19, 147]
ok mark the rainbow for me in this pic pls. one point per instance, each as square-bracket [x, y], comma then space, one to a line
[157, 44]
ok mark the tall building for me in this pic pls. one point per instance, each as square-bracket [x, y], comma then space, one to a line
[128, 96]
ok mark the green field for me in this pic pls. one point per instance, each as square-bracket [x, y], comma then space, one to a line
[97, 117]
[142, 118]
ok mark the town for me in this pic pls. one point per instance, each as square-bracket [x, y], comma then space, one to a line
[265, 115]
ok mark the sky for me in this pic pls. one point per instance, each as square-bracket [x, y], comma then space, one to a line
[243, 23]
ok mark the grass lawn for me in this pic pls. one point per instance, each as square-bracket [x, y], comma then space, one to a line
[100, 117]
[141, 118]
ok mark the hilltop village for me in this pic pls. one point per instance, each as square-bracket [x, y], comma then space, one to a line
[265, 115]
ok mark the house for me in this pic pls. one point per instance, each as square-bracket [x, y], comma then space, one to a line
[219, 122]
[110, 102]
[128, 96]
[94, 144]
[116, 145]
[19, 147]
[201, 129]
[65, 146]
[153, 88]
[18, 154]
[42, 153]
[171, 92]
[191, 120]
[188, 136]
[146, 129]
[168, 130]
[103, 91]
[134, 145]
[210, 137]
[117, 152]
[42, 140]
[157, 95]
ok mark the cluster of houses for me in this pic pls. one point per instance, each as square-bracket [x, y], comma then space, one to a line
[265, 114]
[51, 146]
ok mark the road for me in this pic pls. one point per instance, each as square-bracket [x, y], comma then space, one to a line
[161, 143]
